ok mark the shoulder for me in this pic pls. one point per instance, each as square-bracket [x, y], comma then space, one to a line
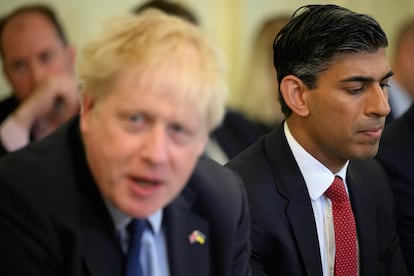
[370, 177]
[211, 178]
[367, 169]
[251, 157]
[216, 189]
[39, 166]
[261, 160]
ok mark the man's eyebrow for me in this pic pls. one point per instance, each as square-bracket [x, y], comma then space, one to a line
[388, 75]
[366, 79]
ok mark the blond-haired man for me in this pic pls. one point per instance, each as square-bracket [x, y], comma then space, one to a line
[153, 89]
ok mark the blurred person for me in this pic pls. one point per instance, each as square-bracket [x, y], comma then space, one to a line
[320, 204]
[396, 154]
[38, 63]
[258, 97]
[396, 149]
[401, 85]
[122, 186]
[236, 132]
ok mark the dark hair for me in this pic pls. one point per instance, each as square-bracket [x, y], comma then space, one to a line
[315, 35]
[42, 9]
[169, 8]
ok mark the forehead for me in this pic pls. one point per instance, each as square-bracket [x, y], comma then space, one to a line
[178, 73]
[369, 65]
[28, 29]
[164, 82]
[157, 94]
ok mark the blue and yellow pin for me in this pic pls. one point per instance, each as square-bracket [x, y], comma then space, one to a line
[197, 237]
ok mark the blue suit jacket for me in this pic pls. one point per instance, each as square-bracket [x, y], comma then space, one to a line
[53, 220]
[284, 235]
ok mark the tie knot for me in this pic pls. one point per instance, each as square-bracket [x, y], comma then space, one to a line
[336, 192]
[135, 229]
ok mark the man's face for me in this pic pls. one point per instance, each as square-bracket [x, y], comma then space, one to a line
[142, 143]
[33, 52]
[347, 109]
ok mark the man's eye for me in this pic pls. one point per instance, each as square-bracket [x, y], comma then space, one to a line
[19, 66]
[356, 90]
[46, 57]
[177, 128]
[384, 85]
[137, 118]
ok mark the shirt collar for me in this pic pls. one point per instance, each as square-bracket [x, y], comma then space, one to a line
[317, 177]
[121, 219]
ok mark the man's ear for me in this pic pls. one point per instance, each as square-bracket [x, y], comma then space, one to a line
[87, 103]
[72, 53]
[294, 93]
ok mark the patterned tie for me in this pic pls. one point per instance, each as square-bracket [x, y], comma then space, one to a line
[346, 256]
[133, 265]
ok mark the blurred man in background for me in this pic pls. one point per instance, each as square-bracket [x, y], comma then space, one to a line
[38, 63]
[401, 85]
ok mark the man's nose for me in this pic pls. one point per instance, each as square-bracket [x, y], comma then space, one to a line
[38, 72]
[155, 148]
[377, 102]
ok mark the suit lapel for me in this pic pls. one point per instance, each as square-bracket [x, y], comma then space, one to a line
[365, 219]
[102, 253]
[102, 249]
[290, 183]
[186, 258]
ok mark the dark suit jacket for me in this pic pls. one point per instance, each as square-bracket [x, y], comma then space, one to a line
[235, 133]
[7, 106]
[284, 235]
[53, 220]
[396, 154]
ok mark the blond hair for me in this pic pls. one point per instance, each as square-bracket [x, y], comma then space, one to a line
[158, 45]
[257, 96]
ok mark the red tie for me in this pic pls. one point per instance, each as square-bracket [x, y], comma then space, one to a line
[346, 256]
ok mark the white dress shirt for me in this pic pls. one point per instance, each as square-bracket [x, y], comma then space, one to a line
[154, 254]
[318, 178]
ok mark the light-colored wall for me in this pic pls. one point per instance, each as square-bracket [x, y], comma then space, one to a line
[231, 23]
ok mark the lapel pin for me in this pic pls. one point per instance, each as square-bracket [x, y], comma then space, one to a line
[196, 237]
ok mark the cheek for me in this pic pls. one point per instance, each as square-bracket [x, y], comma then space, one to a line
[101, 135]
[114, 143]
[59, 66]
[22, 86]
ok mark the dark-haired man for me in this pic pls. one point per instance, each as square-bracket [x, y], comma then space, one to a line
[315, 172]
